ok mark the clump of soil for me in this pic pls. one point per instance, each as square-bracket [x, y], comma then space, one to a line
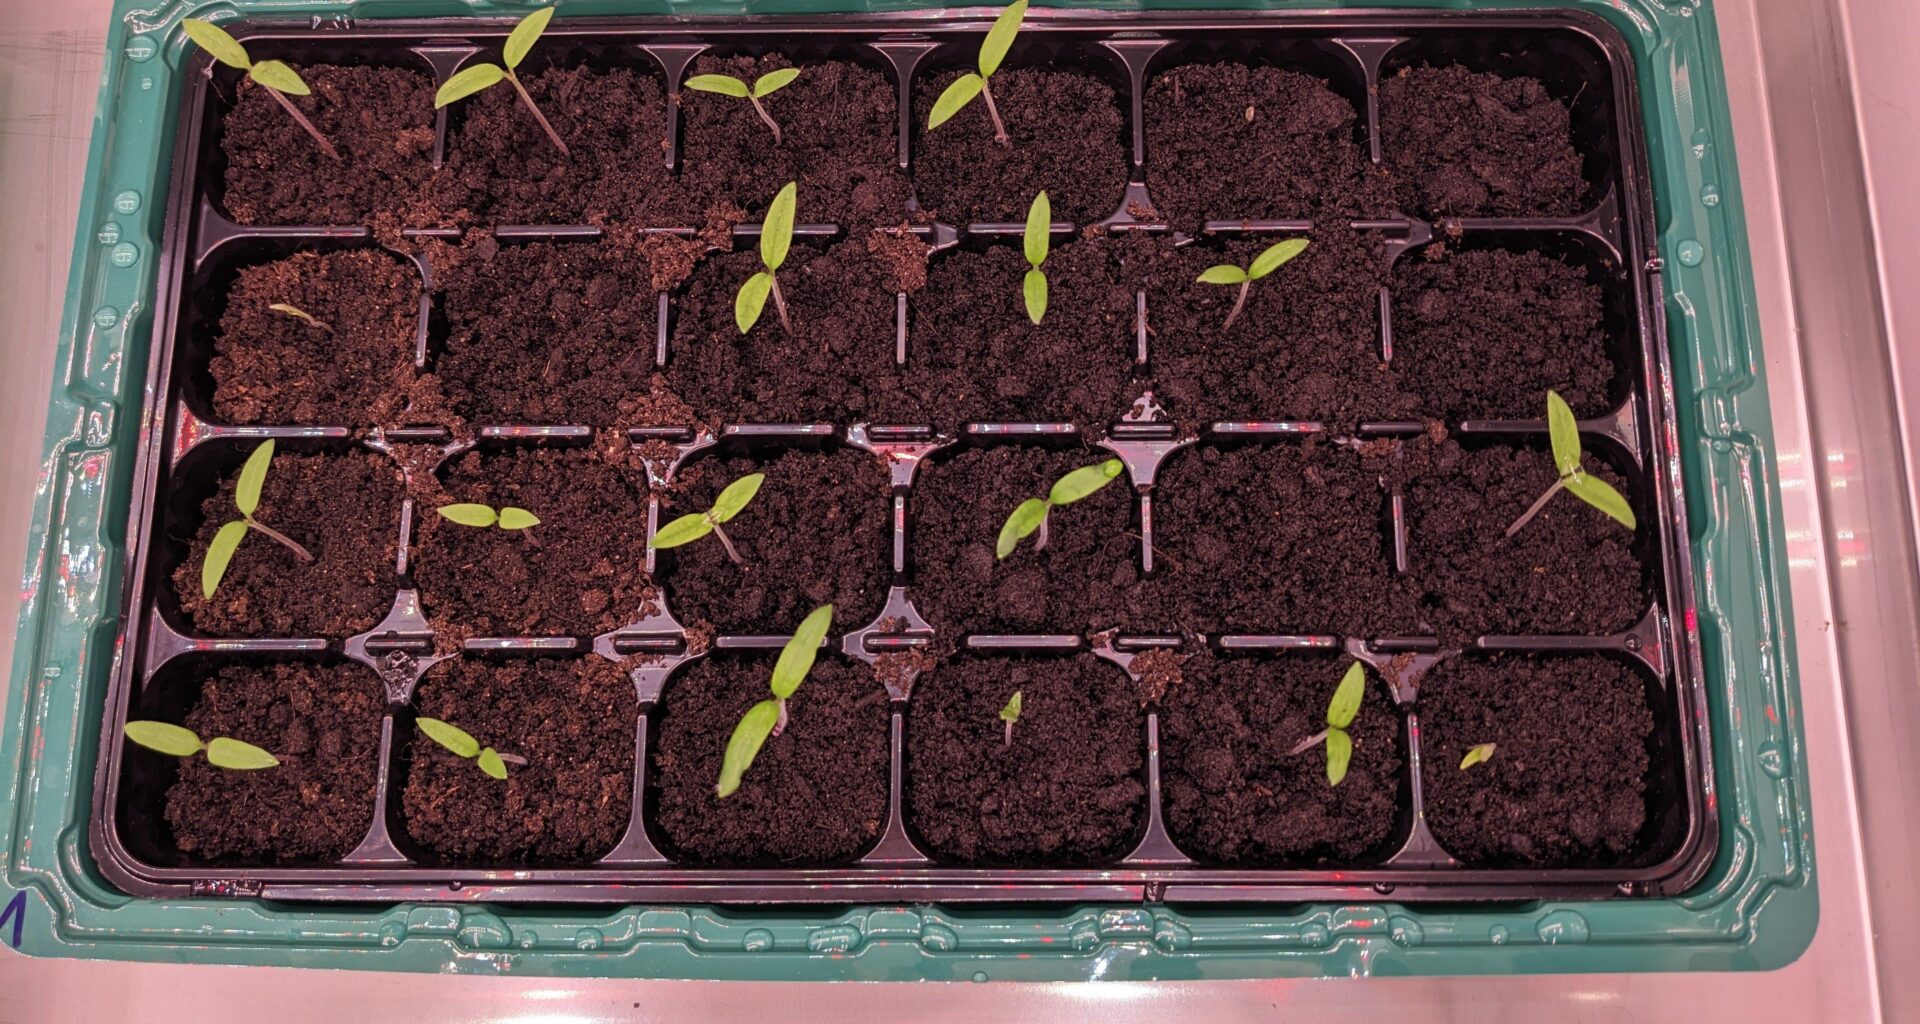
[344, 509]
[818, 531]
[323, 723]
[1069, 790]
[1232, 142]
[1484, 334]
[545, 332]
[578, 573]
[1235, 793]
[816, 793]
[1462, 143]
[1085, 580]
[1284, 538]
[1065, 129]
[839, 129]
[1566, 785]
[572, 720]
[353, 368]
[380, 121]
[1570, 570]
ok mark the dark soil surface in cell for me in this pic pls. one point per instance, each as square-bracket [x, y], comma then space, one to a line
[1069, 790]
[573, 721]
[344, 509]
[816, 794]
[1284, 538]
[839, 129]
[1233, 791]
[1462, 143]
[1484, 334]
[323, 723]
[380, 121]
[1571, 570]
[1566, 784]
[817, 532]
[353, 368]
[1297, 155]
[1085, 580]
[578, 573]
[546, 333]
[1066, 137]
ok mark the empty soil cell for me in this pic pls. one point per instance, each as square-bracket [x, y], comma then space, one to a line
[815, 794]
[839, 139]
[380, 121]
[352, 368]
[323, 723]
[1288, 538]
[572, 720]
[578, 573]
[1234, 791]
[1484, 334]
[1229, 142]
[502, 169]
[1065, 134]
[1069, 790]
[817, 532]
[1085, 580]
[546, 332]
[1570, 570]
[1566, 785]
[343, 508]
[1462, 143]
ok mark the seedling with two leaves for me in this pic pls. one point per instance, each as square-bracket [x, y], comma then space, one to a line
[1011, 714]
[300, 314]
[762, 87]
[477, 77]
[484, 516]
[246, 498]
[1340, 714]
[769, 717]
[993, 50]
[1269, 260]
[457, 740]
[1479, 753]
[1032, 514]
[1563, 431]
[776, 237]
[1037, 240]
[732, 501]
[276, 77]
[222, 751]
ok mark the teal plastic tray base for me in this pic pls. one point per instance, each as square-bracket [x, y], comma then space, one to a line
[1757, 910]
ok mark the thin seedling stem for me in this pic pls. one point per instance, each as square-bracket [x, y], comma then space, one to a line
[565, 153]
[1239, 301]
[1041, 544]
[764, 116]
[1009, 741]
[999, 128]
[780, 723]
[1310, 742]
[302, 553]
[325, 146]
[727, 542]
[780, 305]
[1540, 503]
[532, 541]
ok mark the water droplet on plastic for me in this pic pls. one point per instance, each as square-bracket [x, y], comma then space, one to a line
[756, 940]
[1691, 253]
[140, 49]
[1563, 927]
[105, 316]
[980, 976]
[1314, 935]
[1772, 762]
[146, 83]
[587, 938]
[1497, 935]
[125, 254]
[127, 202]
[1710, 196]
[1406, 931]
[108, 234]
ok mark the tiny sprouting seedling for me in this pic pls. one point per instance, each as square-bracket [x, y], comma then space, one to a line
[776, 237]
[993, 50]
[246, 497]
[222, 751]
[1038, 237]
[1032, 513]
[477, 77]
[456, 739]
[732, 501]
[1266, 263]
[276, 77]
[1011, 714]
[1563, 431]
[769, 717]
[300, 314]
[484, 517]
[1340, 714]
[764, 86]
[1476, 754]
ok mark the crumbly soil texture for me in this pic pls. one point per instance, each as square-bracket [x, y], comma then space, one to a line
[1461, 143]
[815, 794]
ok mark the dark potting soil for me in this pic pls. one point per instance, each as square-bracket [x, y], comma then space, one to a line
[816, 793]
[545, 332]
[323, 723]
[1283, 538]
[1066, 137]
[839, 131]
[1069, 790]
[572, 720]
[1566, 784]
[1235, 793]
[344, 509]
[818, 531]
[1462, 143]
[1485, 333]
[1230, 142]
[380, 121]
[1085, 580]
[1570, 570]
[353, 368]
[578, 573]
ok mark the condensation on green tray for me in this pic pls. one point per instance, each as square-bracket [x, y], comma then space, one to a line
[1756, 910]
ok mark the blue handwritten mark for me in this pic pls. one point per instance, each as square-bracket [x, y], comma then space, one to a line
[17, 910]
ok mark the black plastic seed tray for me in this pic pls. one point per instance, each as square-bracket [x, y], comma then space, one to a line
[185, 451]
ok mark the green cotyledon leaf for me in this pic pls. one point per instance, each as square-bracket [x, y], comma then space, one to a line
[449, 736]
[1563, 431]
[219, 555]
[163, 737]
[734, 497]
[744, 745]
[956, 96]
[993, 49]
[1026, 518]
[234, 755]
[1084, 481]
[684, 530]
[725, 85]
[253, 476]
[524, 35]
[1601, 495]
[796, 658]
[215, 40]
[1347, 697]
